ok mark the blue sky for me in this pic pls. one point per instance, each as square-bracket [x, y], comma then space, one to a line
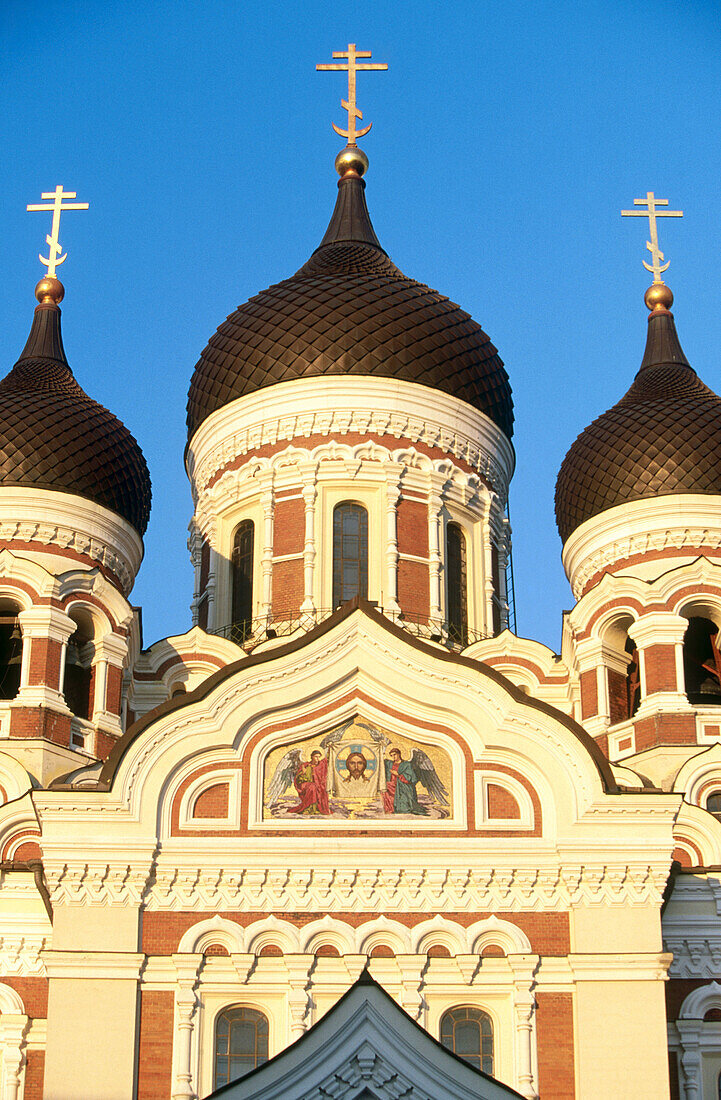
[507, 138]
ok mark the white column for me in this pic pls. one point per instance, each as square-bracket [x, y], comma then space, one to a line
[661, 628]
[266, 564]
[12, 1037]
[393, 494]
[309, 552]
[195, 546]
[411, 968]
[690, 1060]
[187, 967]
[524, 1007]
[111, 650]
[54, 625]
[215, 615]
[435, 504]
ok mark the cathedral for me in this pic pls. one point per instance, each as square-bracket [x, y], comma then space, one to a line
[349, 836]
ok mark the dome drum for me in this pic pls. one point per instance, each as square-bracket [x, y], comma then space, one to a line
[278, 518]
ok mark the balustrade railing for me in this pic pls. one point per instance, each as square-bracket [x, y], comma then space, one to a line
[249, 633]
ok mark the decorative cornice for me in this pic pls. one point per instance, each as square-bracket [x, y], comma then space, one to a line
[641, 527]
[96, 883]
[338, 461]
[367, 406]
[71, 523]
[696, 954]
[458, 889]
[20, 955]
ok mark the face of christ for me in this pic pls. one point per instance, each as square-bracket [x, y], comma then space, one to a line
[356, 764]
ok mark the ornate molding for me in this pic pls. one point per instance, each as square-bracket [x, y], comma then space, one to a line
[421, 890]
[96, 883]
[694, 955]
[69, 522]
[20, 955]
[359, 405]
[640, 527]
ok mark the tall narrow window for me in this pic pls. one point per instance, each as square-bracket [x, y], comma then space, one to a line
[11, 651]
[457, 585]
[468, 1032]
[242, 567]
[350, 553]
[241, 1043]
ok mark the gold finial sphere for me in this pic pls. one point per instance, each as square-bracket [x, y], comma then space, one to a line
[351, 161]
[658, 296]
[50, 289]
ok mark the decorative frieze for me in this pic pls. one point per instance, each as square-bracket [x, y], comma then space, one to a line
[407, 890]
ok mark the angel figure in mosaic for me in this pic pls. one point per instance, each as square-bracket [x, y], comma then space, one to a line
[402, 777]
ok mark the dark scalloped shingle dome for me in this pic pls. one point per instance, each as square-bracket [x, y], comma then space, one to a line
[662, 437]
[349, 310]
[53, 436]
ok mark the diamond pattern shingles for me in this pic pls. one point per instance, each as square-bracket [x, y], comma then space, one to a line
[53, 436]
[660, 438]
[350, 310]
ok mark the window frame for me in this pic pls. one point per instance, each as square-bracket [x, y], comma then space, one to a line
[242, 1007]
[457, 632]
[337, 597]
[245, 623]
[486, 1016]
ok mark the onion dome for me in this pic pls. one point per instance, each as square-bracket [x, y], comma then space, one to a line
[53, 436]
[349, 310]
[662, 437]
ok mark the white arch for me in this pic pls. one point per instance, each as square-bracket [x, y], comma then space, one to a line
[439, 932]
[493, 932]
[700, 1000]
[697, 771]
[196, 939]
[328, 931]
[272, 932]
[10, 1001]
[383, 932]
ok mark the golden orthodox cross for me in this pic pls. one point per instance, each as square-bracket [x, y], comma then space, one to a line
[54, 258]
[657, 257]
[349, 105]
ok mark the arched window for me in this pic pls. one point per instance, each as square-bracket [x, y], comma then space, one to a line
[702, 661]
[11, 650]
[350, 552]
[78, 676]
[713, 804]
[242, 569]
[457, 585]
[468, 1032]
[241, 1043]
